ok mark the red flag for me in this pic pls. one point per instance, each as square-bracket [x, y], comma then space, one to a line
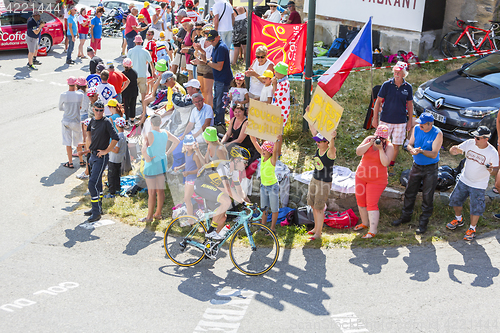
[284, 42]
[358, 54]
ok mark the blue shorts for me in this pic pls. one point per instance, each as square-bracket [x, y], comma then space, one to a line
[477, 199]
[83, 36]
[270, 196]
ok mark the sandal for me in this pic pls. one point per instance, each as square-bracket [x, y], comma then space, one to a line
[368, 235]
[314, 238]
[145, 219]
[360, 226]
[158, 218]
[82, 164]
[68, 165]
[311, 232]
[494, 190]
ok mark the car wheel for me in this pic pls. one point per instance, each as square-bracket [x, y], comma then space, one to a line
[46, 41]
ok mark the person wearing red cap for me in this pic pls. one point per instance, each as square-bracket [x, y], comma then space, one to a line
[191, 13]
[70, 103]
[395, 104]
[269, 188]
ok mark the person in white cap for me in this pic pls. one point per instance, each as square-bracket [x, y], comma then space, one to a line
[395, 99]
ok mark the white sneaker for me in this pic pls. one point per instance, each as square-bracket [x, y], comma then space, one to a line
[214, 235]
[82, 176]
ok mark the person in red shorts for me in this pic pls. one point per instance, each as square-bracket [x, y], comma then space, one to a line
[371, 177]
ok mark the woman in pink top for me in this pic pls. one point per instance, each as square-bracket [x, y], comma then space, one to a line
[371, 177]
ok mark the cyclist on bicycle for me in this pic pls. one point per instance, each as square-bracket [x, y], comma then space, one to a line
[219, 181]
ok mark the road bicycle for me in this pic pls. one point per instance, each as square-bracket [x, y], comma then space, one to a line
[470, 39]
[253, 247]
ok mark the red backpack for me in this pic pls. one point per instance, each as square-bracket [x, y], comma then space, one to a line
[340, 220]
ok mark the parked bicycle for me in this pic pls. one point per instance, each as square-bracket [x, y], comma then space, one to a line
[470, 39]
[253, 247]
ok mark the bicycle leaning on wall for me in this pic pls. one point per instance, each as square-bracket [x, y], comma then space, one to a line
[470, 39]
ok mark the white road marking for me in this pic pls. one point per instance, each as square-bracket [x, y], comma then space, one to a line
[65, 71]
[23, 302]
[227, 311]
[58, 84]
[5, 81]
[96, 224]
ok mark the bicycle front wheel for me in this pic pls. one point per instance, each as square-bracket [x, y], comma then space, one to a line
[448, 47]
[257, 259]
[182, 240]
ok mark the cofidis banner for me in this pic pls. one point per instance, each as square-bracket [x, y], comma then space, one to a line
[284, 42]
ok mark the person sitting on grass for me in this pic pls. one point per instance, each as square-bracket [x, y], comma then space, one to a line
[269, 188]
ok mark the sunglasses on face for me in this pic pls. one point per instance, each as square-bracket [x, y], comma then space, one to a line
[260, 57]
[481, 137]
[197, 29]
[98, 110]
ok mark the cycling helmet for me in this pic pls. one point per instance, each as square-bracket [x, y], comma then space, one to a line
[446, 168]
[239, 152]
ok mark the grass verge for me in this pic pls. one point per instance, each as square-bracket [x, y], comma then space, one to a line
[297, 151]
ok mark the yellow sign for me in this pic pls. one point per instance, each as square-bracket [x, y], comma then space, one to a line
[324, 113]
[264, 121]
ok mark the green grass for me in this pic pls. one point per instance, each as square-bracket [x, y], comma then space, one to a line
[298, 149]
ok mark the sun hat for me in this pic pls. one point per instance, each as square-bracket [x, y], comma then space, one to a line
[81, 81]
[162, 34]
[401, 66]
[158, 9]
[268, 146]
[112, 102]
[175, 31]
[140, 16]
[267, 73]
[239, 76]
[182, 12]
[481, 131]
[127, 62]
[189, 3]
[185, 20]
[281, 68]
[425, 117]
[92, 91]
[193, 83]
[138, 39]
[109, 64]
[71, 80]
[120, 122]
[161, 65]
[318, 138]
[210, 134]
[165, 76]
[146, 4]
[382, 131]
[272, 3]
[100, 67]
[208, 27]
[188, 140]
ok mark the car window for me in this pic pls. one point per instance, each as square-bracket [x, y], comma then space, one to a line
[485, 66]
[20, 18]
[5, 19]
[46, 17]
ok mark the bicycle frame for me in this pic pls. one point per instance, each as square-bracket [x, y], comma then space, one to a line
[243, 219]
[470, 35]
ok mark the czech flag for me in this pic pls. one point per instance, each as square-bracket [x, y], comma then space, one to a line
[358, 54]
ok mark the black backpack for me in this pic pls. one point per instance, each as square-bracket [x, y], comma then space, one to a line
[338, 47]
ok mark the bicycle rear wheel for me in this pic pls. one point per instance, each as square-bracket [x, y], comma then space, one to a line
[180, 240]
[258, 260]
[448, 47]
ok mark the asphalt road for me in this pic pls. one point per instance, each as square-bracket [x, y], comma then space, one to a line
[56, 276]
